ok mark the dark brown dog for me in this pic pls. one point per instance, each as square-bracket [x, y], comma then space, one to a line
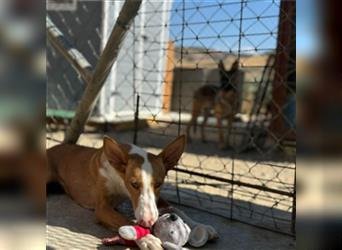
[222, 100]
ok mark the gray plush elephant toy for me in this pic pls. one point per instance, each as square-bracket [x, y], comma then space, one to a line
[172, 231]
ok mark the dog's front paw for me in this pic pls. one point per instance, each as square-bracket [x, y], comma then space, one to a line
[149, 242]
[200, 234]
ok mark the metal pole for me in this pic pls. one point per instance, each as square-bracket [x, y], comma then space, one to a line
[102, 70]
[230, 129]
[294, 210]
[136, 120]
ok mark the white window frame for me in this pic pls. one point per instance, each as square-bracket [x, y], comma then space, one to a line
[66, 6]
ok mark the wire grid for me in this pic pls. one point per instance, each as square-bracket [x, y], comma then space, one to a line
[255, 187]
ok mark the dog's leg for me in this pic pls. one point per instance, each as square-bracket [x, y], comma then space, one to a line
[188, 128]
[107, 216]
[220, 131]
[196, 110]
[205, 119]
[229, 132]
[231, 117]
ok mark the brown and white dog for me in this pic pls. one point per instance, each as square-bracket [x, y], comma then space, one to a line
[223, 100]
[102, 178]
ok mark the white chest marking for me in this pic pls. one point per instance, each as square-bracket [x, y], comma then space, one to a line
[114, 183]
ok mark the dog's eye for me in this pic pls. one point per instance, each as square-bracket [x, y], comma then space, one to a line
[158, 185]
[135, 184]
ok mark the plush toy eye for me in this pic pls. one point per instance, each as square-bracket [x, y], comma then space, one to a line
[135, 184]
[173, 234]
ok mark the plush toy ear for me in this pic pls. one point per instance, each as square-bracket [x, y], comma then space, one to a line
[172, 152]
[115, 154]
[198, 237]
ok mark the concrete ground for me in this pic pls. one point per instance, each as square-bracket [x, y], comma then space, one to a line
[70, 226]
[272, 170]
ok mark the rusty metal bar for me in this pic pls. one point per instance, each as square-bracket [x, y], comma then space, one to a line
[294, 207]
[238, 183]
[279, 91]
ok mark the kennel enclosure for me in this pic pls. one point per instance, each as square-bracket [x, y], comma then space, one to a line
[171, 49]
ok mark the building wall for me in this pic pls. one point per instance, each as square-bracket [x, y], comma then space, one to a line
[64, 87]
[140, 67]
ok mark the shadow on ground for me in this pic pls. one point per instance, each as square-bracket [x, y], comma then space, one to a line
[159, 137]
[70, 226]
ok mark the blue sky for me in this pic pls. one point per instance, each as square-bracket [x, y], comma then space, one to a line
[257, 32]
[225, 22]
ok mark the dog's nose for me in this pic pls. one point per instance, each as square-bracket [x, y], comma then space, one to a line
[173, 217]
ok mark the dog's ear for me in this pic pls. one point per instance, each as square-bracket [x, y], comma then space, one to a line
[115, 154]
[235, 65]
[172, 152]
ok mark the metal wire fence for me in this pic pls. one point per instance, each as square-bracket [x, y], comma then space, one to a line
[172, 50]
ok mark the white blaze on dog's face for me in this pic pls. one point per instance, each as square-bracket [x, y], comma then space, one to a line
[143, 174]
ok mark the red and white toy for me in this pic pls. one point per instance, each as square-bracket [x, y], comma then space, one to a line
[127, 236]
[170, 229]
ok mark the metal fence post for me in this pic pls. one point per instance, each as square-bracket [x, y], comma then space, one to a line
[136, 120]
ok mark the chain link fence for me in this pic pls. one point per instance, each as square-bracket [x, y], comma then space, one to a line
[172, 49]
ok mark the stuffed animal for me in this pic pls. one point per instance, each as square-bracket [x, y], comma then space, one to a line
[169, 228]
